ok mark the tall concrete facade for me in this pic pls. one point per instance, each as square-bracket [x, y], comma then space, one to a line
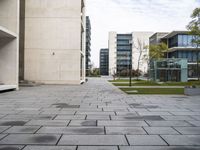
[124, 46]
[9, 43]
[54, 41]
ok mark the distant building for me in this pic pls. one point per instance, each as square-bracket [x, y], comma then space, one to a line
[181, 47]
[123, 51]
[9, 44]
[169, 69]
[88, 46]
[156, 38]
[104, 59]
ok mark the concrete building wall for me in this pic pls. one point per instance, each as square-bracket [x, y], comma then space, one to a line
[112, 44]
[54, 41]
[143, 38]
[9, 29]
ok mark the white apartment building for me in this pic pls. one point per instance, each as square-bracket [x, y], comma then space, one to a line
[9, 43]
[124, 46]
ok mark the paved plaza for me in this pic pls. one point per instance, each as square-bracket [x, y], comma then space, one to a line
[97, 116]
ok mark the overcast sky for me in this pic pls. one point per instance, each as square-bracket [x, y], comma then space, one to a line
[135, 15]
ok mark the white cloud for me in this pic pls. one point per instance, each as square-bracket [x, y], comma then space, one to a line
[135, 15]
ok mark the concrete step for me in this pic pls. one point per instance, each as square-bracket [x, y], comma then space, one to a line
[25, 83]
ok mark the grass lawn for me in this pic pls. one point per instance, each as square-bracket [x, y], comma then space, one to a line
[125, 80]
[151, 83]
[162, 91]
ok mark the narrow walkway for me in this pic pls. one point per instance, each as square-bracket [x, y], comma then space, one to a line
[97, 116]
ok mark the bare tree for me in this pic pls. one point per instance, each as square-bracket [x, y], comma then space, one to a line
[141, 48]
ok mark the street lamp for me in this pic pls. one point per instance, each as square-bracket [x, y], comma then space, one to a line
[130, 65]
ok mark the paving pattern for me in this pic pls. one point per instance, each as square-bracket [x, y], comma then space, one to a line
[97, 116]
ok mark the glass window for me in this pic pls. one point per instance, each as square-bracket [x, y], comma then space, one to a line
[190, 40]
[180, 40]
[190, 56]
[185, 40]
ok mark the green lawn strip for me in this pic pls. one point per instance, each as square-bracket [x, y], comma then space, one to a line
[151, 83]
[137, 84]
[125, 80]
[172, 91]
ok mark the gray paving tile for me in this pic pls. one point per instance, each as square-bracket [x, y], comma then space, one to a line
[30, 139]
[61, 112]
[47, 123]
[176, 118]
[13, 122]
[195, 123]
[122, 123]
[145, 140]
[83, 123]
[185, 113]
[10, 147]
[158, 148]
[168, 123]
[136, 118]
[125, 130]
[160, 130]
[98, 117]
[93, 140]
[50, 148]
[188, 130]
[193, 140]
[96, 113]
[30, 116]
[70, 117]
[2, 135]
[22, 129]
[97, 148]
[3, 128]
[72, 130]
[153, 113]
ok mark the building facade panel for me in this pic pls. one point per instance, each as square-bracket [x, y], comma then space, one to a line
[9, 43]
[54, 41]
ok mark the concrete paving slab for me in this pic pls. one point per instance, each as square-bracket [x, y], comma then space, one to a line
[97, 148]
[125, 130]
[22, 129]
[193, 140]
[11, 147]
[121, 123]
[72, 130]
[93, 140]
[3, 128]
[168, 123]
[188, 130]
[159, 148]
[50, 148]
[160, 130]
[145, 140]
[30, 139]
[48, 123]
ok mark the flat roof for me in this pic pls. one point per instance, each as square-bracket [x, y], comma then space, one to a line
[173, 33]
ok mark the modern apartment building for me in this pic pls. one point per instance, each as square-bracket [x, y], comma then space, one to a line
[104, 67]
[181, 47]
[88, 45]
[127, 49]
[9, 43]
[52, 45]
[157, 37]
